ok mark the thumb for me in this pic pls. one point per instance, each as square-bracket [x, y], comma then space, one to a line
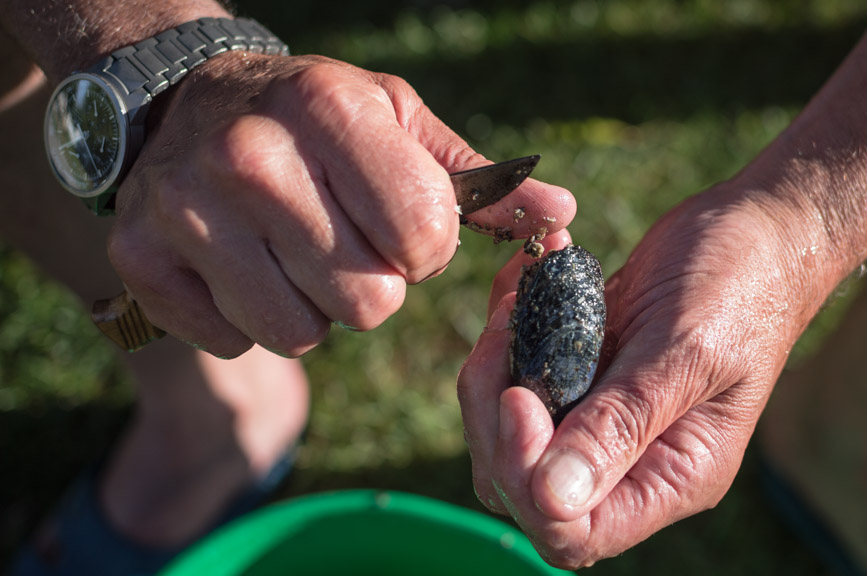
[603, 437]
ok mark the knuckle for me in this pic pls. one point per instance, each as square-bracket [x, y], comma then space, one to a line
[317, 78]
[395, 85]
[465, 155]
[695, 360]
[427, 246]
[698, 351]
[623, 424]
[320, 93]
[402, 96]
[371, 303]
[461, 154]
[234, 151]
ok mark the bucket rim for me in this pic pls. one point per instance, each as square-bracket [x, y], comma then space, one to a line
[234, 548]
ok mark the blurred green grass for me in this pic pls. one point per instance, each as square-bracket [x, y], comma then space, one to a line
[633, 105]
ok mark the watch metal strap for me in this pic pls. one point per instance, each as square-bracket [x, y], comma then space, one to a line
[149, 67]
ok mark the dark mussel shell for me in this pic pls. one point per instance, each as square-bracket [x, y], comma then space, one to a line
[557, 328]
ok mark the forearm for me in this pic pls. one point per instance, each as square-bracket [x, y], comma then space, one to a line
[67, 35]
[818, 169]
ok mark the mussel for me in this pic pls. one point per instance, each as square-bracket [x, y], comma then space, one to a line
[557, 328]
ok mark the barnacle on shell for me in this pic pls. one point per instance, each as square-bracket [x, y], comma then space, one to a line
[557, 328]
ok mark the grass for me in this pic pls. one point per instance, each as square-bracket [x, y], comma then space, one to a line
[633, 106]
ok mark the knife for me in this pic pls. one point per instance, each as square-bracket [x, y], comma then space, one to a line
[123, 321]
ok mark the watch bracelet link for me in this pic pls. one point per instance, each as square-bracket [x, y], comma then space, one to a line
[154, 64]
[147, 68]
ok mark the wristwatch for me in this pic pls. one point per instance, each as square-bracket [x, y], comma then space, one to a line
[95, 122]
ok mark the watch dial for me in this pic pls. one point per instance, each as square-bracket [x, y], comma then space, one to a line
[83, 136]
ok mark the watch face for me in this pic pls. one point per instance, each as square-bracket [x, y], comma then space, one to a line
[85, 135]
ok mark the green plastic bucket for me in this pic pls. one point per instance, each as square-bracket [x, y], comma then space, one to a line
[363, 532]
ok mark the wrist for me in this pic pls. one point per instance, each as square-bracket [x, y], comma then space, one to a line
[206, 86]
[95, 122]
[816, 193]
[159, 19]
[810, 259]
[78, 35]
[817, 169]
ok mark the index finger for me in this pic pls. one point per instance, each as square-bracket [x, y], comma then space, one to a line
[533, 207]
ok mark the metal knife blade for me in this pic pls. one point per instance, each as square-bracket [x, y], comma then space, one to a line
[481, 187]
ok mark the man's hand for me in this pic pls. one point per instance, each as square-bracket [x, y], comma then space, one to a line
[700, 322]
[279, 195]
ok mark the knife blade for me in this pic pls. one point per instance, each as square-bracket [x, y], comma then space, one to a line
[482, 187]
[125, 323]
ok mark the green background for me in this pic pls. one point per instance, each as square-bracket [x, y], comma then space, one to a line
[632, 104]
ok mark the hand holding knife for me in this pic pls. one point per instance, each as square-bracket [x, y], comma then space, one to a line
[123, 321]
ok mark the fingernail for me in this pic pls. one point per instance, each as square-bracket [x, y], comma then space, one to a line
[569, 477]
